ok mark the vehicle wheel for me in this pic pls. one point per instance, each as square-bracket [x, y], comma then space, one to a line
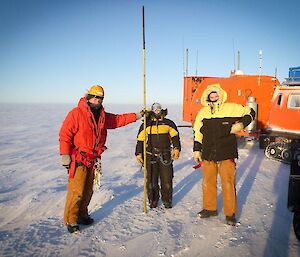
[286, 155]
[296, 224]
[272, 151]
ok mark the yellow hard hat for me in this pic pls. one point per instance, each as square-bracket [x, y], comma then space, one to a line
[96, 90]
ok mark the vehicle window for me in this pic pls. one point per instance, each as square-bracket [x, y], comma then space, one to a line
[279, 99]
[294, 101]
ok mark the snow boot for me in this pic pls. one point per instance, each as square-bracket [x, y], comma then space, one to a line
[85, 220]
[207, 213]
[168, 205]
[153, 204]
[230, 220]
[73, 228]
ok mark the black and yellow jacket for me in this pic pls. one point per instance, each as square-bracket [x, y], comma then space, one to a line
[161, 134]
[213, 124]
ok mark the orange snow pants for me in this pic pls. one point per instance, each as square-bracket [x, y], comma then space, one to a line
[80, 191]
[227, 171]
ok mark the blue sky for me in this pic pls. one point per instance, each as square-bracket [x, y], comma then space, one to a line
[53, 51]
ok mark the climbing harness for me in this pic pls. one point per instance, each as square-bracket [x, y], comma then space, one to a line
[81, 158]
[160, 155]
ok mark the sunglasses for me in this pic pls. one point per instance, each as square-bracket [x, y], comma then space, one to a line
[98, 97]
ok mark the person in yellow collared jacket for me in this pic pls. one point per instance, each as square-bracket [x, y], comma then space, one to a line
[215, 145]
[163, 146]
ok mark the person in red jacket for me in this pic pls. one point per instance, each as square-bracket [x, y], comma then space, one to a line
[82, 140]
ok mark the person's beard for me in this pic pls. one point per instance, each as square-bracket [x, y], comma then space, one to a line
[96, 107]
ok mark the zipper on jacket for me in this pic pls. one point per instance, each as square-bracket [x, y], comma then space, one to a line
[95, 126]
[157, 136]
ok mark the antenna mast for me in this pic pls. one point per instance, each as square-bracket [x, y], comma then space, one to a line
[187, 61]
[238, 60]
[197, 63]
[260, 65]
[183, 65]
[233, 54]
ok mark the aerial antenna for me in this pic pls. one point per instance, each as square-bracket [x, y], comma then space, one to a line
[260, 65]
[197, 63]
[183, 65]
[238, 60]
[233, 48]
[187, 61]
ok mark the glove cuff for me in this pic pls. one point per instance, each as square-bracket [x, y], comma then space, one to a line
[65, 159]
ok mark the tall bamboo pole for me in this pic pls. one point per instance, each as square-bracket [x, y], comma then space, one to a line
[145, 106]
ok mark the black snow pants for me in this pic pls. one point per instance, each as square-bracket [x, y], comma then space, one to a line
[157, 170]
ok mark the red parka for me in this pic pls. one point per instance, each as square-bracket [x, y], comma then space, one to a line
[79, 130]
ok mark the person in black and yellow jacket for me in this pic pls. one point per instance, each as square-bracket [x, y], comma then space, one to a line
[162, 147]
[215, 144]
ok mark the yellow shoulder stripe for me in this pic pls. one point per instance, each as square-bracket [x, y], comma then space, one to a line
[154, 130]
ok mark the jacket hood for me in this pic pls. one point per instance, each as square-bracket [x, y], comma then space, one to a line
[213, 88]
[82, 102]
[161, 116]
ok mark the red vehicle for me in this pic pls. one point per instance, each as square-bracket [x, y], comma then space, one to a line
[294, 178]
[283, 129]
[277, 124]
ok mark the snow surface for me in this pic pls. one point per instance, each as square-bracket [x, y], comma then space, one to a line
[33, 190]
